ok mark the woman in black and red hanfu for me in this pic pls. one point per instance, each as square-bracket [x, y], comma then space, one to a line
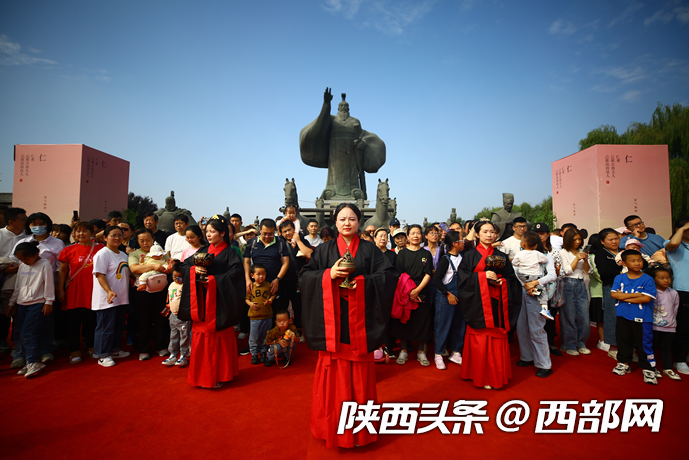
[345, 325]
[490, 297]
[214, 307]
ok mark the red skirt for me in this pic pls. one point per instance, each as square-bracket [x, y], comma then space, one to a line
[214, 356]
[338, 379]
[486, 358]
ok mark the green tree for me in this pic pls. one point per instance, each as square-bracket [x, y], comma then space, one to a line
[669, 125]
[137, 207]
[541, 212]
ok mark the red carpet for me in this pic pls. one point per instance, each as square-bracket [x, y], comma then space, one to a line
[146, 410]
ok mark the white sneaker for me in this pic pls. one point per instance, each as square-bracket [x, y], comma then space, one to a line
[119, 354]
[106, 362]
[603, 346]
[242, 336]
[682, 368]
[48, 357]
[584, 351]
[402, 358]
[33, 368]
[439, 363]
[456, 358]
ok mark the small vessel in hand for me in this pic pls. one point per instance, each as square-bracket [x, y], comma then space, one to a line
[495, 263]
[349, 265]
[203, 259]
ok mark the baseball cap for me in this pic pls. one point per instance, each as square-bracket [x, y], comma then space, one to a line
[541, 227]
[394, 223]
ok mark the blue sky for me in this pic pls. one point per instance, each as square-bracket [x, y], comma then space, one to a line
[208, 98]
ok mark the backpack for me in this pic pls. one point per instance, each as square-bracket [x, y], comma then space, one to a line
[253, 245]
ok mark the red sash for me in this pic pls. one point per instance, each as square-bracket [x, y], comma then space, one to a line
[357, 306]
[210, 291]
[488, 291]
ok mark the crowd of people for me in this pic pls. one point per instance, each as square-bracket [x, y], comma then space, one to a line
[454, 292]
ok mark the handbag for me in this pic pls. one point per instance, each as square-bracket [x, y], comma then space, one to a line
[86, 261]
[156, 283]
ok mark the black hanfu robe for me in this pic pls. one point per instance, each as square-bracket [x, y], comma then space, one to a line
[346, 326]
[214, 308]
[490, 312]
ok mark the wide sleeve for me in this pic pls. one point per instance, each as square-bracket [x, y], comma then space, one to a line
[314, 139]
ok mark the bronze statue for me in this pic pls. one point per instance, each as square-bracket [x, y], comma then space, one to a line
[503, 218]
[341, 145]
[166, 216]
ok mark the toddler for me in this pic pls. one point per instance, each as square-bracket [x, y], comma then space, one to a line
[179, 330]
[291, 215]
[527, 265]
[631, 243]
[282, 339]
[155, 256]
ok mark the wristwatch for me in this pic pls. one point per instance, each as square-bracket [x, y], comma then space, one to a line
[278, 278]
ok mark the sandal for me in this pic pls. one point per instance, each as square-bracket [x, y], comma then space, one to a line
[75, 357]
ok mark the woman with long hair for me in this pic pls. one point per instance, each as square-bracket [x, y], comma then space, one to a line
[574, 317]
[345, 324]
[490, 295]
[212, 297]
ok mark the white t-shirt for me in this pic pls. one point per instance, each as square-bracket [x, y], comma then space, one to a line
[8, 241]
[175, 244]
[512, 246]
[115, 267]
[556, 242]
[314, 241]
[528, 262]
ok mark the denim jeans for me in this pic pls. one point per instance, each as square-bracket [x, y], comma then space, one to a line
[46, 335]
[533, 340]
[110, 324]
[30, 321]
[281, 351]
[574, 315]
[449, 322]
[609, 317]
[257, 335]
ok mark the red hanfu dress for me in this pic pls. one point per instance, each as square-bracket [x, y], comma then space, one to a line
[346, 326]
[490, 311]
[213, 308]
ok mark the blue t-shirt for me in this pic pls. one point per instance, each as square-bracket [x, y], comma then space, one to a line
[639, 312]
[679, 262]
[652, 243]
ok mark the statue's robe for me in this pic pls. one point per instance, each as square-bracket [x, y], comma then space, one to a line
[328, 142]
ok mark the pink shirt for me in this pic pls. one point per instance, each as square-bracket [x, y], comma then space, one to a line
[188, 252]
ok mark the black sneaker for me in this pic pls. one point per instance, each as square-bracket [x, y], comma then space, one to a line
[544, 373]
[268, 363]
[244, 351]
[255, 359]
[522, 363]
[555, 351]
[262, 358]
[390, 353]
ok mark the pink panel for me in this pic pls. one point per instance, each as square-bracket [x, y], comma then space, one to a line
[53, 179]
[600, 186]
[104, 183]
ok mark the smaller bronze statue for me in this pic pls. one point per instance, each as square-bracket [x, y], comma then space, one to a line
[203, 259]
[349, 265]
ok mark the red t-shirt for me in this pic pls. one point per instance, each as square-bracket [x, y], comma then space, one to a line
[79, 291]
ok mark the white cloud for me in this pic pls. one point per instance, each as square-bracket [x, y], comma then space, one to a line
[625, 75]
[631, 96]
[11, 54]
[348, 8]
[561, 27]
[391, 17]
[663, 16]
[627, 13]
